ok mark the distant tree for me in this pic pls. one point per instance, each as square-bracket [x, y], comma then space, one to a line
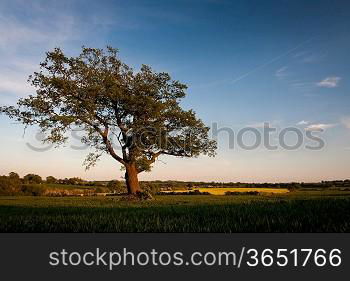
[63, 181]
[51, 179]
[75, 181]
[14, 176]
[9, 186]
[109, 101]
[32, 178]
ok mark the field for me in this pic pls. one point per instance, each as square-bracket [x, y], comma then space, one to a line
[301, 211]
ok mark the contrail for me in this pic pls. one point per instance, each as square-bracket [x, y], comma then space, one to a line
[270, 61]
[258, 67]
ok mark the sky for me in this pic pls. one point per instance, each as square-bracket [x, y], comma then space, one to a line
[245, 63]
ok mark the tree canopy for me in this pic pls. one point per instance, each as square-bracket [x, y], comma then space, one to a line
[134, 116]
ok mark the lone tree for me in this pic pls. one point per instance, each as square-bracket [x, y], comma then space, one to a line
[112, 104]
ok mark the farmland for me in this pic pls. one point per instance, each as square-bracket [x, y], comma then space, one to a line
[300, 211]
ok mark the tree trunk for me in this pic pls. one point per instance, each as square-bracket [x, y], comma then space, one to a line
[131, 179]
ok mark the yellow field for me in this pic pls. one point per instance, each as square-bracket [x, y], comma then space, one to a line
[221, 191]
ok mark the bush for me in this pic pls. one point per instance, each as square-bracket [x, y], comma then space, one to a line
[33, 190]
[9, 186]
[116, 186]
[150, 187]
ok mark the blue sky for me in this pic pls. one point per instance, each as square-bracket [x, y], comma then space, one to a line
[245, 62]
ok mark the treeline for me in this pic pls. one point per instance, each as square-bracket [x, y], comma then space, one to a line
[13, 184]
[35, 185]
[32, 184]
[173, 185]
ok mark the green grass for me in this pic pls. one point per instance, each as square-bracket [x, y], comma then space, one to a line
[309, 211]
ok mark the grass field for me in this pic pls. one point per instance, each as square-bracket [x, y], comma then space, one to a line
[309, 211]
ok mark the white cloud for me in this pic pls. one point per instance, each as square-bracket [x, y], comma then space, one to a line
[303, 122]
[23, 42]
[329, 82]
[346, 122]
[319, 127]
[17, 35]
[23, 45]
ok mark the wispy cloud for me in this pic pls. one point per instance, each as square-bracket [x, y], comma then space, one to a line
[309, 56]
[313, 58]
[281, 72]
[302, 86]
[303, 122]
[319, 127]
[257, 68]
[299, 54]
[22, 46]
[24, 41]
[329, 82]
[271, 61]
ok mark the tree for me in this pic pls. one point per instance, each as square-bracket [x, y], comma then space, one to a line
[75, 181]
[32, 178]
[97, 92]
[51, 179]
[10, 185]
[14, 176]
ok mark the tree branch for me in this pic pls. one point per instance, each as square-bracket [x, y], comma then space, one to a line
[104, 135]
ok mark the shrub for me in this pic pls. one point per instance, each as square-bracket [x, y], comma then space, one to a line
[116, 186]
[9, 186]
[33, 190]
[150, 187]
